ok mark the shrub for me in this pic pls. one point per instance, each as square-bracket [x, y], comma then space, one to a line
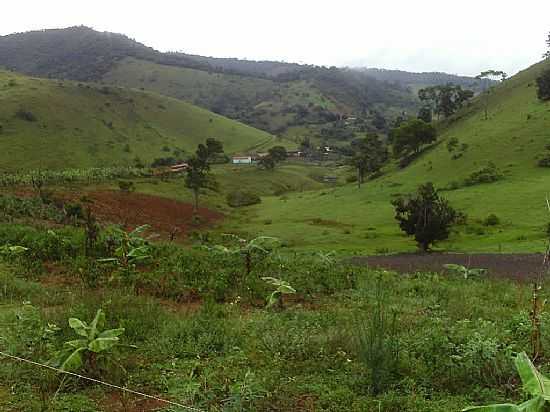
[487, 174]
[242, 198]
[491, 220]
[126, 186]
[25, 115]
[545, 161]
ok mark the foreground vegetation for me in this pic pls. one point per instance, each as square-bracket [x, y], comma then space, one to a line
[200, 334]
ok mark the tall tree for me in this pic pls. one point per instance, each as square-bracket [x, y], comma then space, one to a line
[411, 136]
[487, 77]
[369, 155]
[425, 215]
[444, 99]
[198, 173]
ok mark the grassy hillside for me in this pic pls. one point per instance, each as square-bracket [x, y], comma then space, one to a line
[54, 124]
[513, 137]
[262, 102]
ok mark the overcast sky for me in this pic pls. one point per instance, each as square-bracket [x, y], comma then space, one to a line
[454, 36]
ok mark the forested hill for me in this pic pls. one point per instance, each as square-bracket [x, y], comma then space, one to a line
[423, 79]
[273, 96]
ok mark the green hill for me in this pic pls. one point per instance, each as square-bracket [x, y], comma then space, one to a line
[513, 138]
[268, 95]
[62, 124]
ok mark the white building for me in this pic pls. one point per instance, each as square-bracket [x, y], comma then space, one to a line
[242, 160]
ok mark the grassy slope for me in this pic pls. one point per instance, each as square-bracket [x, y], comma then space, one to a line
[362, 220]
[210, 89]
[73, 125]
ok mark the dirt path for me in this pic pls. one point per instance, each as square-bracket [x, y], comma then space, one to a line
[516, 266]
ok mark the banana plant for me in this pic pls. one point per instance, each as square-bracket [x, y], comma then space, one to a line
[92, 341]
[132, 249]
[261, 245]
[464, 271]
[283, 288]
[534, 383]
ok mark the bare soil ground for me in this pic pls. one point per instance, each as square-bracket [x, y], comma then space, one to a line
[515, 266]
[166, 216]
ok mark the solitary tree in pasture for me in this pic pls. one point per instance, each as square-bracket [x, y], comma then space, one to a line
[425, 215]
[486, 78]
[198, 173]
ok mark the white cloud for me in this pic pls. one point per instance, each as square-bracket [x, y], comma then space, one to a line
[461, 37]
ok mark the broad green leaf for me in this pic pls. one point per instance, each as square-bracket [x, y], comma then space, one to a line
[273, 299]
[77, 343]
[79, 327]
[141, 251]
[111, 333]
[532, 379]
[273, 281]
[102, 344]
[138, 230]
[96, 324]
[505, 407]
[73, 361]
[456, 268]
[533, 405]
[286, 289]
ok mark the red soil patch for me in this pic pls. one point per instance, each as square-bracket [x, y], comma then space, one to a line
[166, 216]
[515, 266]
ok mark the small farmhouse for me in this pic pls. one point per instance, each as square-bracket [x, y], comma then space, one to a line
[246, 160]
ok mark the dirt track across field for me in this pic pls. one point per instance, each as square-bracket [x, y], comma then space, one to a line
[516, 266]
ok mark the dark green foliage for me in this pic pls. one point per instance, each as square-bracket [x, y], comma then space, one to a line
[267, 163]
[425, 114]
[543, 85]
[410, 137]
[425, 215]
[25, 115]
[126, 186]
[241, 198]
[491, 220]
[544, 161]
[198, 173]
[487, 174]
[444, 100]
[369, 155]
[278, 153]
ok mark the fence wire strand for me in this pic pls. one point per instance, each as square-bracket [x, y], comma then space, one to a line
[30, 362]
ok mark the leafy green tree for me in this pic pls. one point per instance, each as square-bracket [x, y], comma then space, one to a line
[198, 173]
[425, 114]
[486, 78]
[278, 153]
[443, 99]
[410, 137]
[543, 85]
[426, 216]
[369, 155]
[267, 163]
